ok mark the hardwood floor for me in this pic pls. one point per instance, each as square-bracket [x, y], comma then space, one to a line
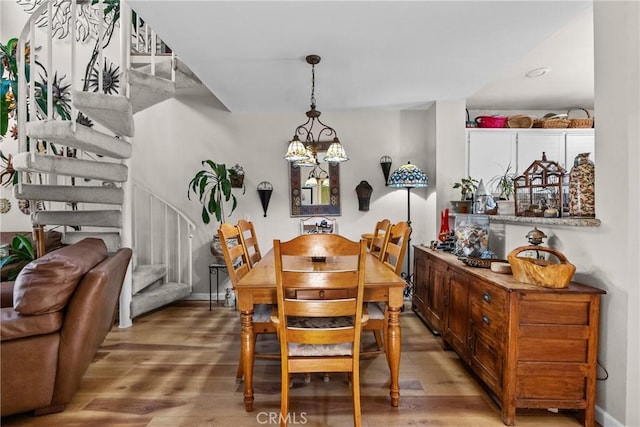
[176, 367]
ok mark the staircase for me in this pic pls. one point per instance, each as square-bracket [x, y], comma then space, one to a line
[91, 194]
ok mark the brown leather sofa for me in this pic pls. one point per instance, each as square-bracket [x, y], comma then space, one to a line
[63, 306]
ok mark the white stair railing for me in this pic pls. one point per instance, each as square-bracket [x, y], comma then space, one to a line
[162, 234]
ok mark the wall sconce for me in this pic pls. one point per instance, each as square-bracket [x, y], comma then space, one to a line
[385, 164]
[264, 191]
[364, 190]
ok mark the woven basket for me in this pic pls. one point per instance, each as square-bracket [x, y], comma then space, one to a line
[583, 122]
[541, 272]
[521, 121]
[552, 121]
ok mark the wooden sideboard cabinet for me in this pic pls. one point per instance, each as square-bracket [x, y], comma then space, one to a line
[531, 347]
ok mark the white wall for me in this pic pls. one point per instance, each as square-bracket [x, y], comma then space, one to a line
[167, 153]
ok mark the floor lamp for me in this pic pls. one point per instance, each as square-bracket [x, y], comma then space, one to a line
[408, 176]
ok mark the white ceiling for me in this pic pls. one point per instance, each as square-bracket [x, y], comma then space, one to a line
[382, 54]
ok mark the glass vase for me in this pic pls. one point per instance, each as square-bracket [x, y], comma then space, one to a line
[582, 187]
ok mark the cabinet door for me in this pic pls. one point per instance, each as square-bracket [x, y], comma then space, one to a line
[434, 295]
[583, 142]
[490, 153]
[486, 358]
[420, 279]
[532, 144]
[457, 314]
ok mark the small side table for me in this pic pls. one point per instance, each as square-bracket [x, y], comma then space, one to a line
[215, 268]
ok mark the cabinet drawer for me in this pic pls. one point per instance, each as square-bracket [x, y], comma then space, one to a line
[488, 322]
[491, 298]
[325, 293]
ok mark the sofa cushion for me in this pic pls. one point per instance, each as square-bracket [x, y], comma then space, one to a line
[46, 284]
[14, 325]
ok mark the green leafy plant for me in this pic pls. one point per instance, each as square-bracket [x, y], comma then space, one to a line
[22, 252]
[213, 187]
[467, 187]
[503, 184]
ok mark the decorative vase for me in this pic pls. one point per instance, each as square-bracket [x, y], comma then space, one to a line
[216, 250]
[582, 187]
[364, 190]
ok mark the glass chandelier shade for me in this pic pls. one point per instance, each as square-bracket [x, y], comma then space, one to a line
[296, 151]
[408, 176]
[336, 153]
[305, 142]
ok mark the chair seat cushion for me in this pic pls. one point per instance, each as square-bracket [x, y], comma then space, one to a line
[338, 349]
[262, 313]
[376, 310]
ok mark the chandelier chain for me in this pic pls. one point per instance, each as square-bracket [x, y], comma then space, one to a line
[313, 85]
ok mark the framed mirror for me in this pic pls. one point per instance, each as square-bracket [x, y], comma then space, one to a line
[315, 188]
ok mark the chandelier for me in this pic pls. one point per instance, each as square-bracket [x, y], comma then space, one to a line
[305, 151]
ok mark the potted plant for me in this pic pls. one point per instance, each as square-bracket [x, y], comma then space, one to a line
[467, 187]
[503, 186]
[213, 187]
[16, 256]
[236, 176]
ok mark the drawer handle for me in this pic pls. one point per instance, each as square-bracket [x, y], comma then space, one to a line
[486, 297]
[486, 320]
[321, 294]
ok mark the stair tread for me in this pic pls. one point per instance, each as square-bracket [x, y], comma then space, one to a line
[95, 218]
[164, 294]
[69, 193]
[114, 112]
[84, 138]
[68, 166]
[110, 238]
[146, 275]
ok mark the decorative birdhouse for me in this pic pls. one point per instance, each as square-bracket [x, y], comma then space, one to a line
[542, 187]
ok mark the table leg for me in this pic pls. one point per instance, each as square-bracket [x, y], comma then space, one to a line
[393, 353]
[247, 353]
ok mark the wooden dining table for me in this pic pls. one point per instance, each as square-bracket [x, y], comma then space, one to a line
[259, 287]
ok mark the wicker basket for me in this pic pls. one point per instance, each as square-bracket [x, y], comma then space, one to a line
[541, 272]
[552, 121]
[583, 122]
[521, 121]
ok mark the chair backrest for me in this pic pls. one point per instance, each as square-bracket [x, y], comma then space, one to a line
[235, 256]
[301, 284]
[397, 246]
[318, 225]
[380, 238]
[249, 241]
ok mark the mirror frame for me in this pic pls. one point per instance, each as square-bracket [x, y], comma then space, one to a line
[295, 189]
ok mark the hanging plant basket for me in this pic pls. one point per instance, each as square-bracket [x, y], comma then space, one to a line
[237, 181]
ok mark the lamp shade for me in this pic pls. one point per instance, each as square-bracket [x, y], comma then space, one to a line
[336, 153]
[296, 151]
[408, 176]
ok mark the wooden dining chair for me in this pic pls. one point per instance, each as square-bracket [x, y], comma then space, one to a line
[249, 241]
[237, 262]
[393, 258]
[381, 235]
[320, 309]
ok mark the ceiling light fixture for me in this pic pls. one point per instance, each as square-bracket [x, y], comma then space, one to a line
[303, 150]
[537, 72]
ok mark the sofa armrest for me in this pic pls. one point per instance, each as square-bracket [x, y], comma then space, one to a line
[6, 294]
[14, 325]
